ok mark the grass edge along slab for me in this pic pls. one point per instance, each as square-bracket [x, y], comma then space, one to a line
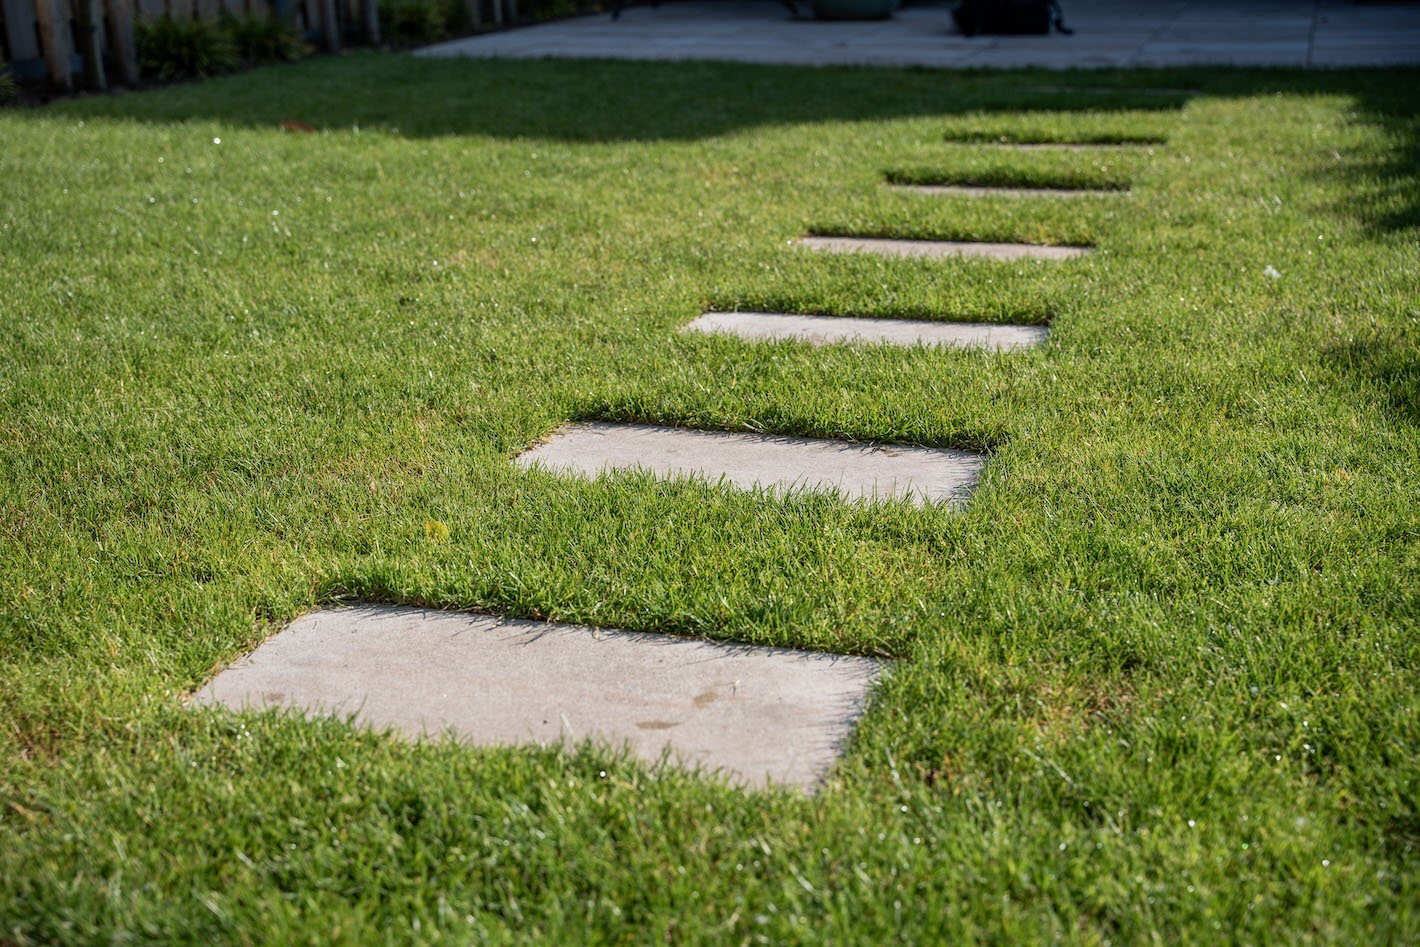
[756, 715]
[827, 330]
[778, 463]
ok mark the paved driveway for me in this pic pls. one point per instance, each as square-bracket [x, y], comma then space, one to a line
[1141, 33]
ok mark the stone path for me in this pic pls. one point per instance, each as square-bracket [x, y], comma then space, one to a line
[935, 249]
[824, 330]
[1108, 33]
[756, 713]
[783, 464]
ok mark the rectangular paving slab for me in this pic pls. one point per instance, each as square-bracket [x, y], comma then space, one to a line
[973, 190]
[1061, 145]
[757, 714]
[823, 330]
[918, 474]
[936, 249]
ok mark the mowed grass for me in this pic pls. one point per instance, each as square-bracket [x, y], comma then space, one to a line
[1156, 683]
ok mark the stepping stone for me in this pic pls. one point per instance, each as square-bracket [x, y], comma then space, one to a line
[1060, 145]
[1114, 90]
[782, 464]
[758, 714]
[942, 248]
[971, 190]
[824, 330]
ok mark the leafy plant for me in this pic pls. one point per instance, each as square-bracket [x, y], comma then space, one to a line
[413, 21]
[542, 10]
[7, 83]
[265, 39]
[458, 20]
[170, 48]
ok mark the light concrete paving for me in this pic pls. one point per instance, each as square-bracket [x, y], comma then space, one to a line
[937, 249]
[1060, 145]
[782, 464]
[757, 714]
[964, 190]
[824, 330]
[1108, 33]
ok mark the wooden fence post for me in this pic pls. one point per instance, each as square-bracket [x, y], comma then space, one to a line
[90, 44]
[329, 27]
[54, 38]
[370, 13]
[120, 38]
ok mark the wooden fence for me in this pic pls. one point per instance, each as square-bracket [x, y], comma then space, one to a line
[67, 40]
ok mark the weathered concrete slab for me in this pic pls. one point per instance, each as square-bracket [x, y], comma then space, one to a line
[936, 249]
[783, 464]
[758, 714]
[972, 190]
[1108, 34]
[824, 330]
[1059, 145]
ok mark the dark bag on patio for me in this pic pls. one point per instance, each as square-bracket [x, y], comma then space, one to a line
[1007, 16]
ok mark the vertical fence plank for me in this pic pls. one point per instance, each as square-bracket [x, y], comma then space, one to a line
[86, 23]
[181, 9]
[329, 27]
[53, 23]
[120, 39]
[20, 30]
[370, 14]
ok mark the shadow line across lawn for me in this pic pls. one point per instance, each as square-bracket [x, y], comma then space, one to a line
[612, 101]
[607, 101]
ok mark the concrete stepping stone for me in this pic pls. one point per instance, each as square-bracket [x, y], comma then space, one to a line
[757, 714]
[1058, 145]
[783, 464]
[1113, 90]
[972, 190]
[936, 249]
[825, 330]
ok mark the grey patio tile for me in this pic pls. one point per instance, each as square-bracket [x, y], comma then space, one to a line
[780, 464]
[757, 715]
[823, 330]
[941, 249]
[966, 190]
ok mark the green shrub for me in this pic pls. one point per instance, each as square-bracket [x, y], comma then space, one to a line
[413, 21]
[541, 10]
[7, 83]
[265, 39]
[170, 48]
[457, 21]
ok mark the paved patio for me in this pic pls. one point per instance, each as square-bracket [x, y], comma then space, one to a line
[1108, 33]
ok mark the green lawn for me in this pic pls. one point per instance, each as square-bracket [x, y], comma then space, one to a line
[1157, 682]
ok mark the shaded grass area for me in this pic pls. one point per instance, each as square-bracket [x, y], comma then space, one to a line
[1155, 682]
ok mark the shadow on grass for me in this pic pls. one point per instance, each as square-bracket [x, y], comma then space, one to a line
[615, 101]
[1387, 363]
[598, 100]
[1388, 187]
